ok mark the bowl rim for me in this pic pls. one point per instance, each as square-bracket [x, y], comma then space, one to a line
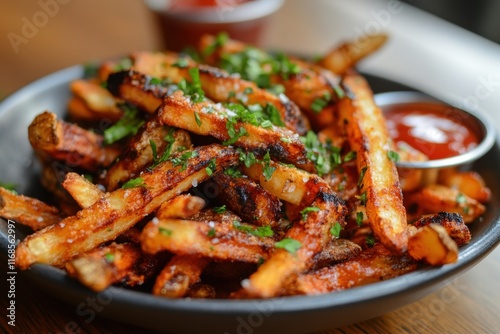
[247, 11]
[404, 97]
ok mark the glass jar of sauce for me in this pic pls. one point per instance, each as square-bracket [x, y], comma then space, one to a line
[183, 22]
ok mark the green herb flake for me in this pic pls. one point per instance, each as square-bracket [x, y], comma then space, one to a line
[211, 232]
[182, 62]
[219, 209]
[109, 257]
[197, 118]
[362, 198]
[219, 41]
[258, 231]
[393, 156]
[307, 210]
[134, 183]
[362, 176]
[359, 218]
[12, 187]
[165, 231]
[320, 103]
[289, 244]
[183, 159]
[370, 240]
[335, 229]
[123, 64]
[461, 199]
[268, 170]
[351, 155]
[233, 172]
[128, 125]
[211, 167]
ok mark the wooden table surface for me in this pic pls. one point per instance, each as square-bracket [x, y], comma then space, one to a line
[83, 31]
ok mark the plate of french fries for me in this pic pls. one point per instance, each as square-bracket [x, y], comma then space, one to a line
[231, 189]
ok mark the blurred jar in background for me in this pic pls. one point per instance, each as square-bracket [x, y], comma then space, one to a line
[182, 22]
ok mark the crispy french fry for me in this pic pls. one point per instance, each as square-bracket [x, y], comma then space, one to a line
[98, 101]
[371, 265]
[222, 240]
[347, 54]
[367, 134]
[104, 266]
[179, 274]
[219, 85]
[182, 207]
[249, 200]
[118, 211]
[27, 211]
[432, 244]
[436, 198]
[452, 222]
[469, 183]
[206, 118]
[82, 190]
[66, 142]
[139, 151]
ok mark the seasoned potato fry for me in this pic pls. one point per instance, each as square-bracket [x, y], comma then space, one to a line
[75, 146]
[436, 198]
[98, 100]
[104, 266]
[82, 190]
[347, 54]
[452, 222]
[337, 250]
[249, 200]
[371, 265]
[221, 240]
[27, 211]
[182, 207]
[206, 118]
[138, 154]
[179, 274]
[118, 211]
[367, 135]
[469, 183]
[432, 244]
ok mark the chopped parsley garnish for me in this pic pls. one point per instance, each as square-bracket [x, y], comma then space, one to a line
[233, 134]
[90, 70]
[183, 159]
[307, 210]
[219, 41]
[258, 231]
[320, 103]
[182, 62]
[359, 218]
[197, 118]
[9, 186]
[324, 156]
[370, 240]
[393, 156]
[362, 198]
[335, 229]
[165, 231]
[128, 125]
[211, 167]
[109, 257]
[267, 169]
[123, 64]
[169, 138]
[351, 155]
[219, 209]
[248, 158]
[134, 183]
[233, 172]
[192, 89]
[461, 199]
[211, 232]
[288, 244]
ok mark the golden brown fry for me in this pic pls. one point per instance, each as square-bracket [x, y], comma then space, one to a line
[219, 240]
[436, 198]
[249, 200]
[104, 266]
[181, 272]
[219, 85]
[367, 135]
[347, 54]
[99, 102]
[200, 290]
[308, 235]
[82, 190]
[182, 207]
[139, 153]
[67, 142]
[371, 265]
[337, 250]
[27, 211]
[119, 210]
[452, 222]
[206, 118]
[469, 183]
[432, 244]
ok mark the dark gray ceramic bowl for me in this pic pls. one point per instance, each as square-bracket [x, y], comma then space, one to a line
[281, 315]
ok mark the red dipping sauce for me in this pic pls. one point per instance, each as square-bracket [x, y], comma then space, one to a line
[432, 128]
[183, 22]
